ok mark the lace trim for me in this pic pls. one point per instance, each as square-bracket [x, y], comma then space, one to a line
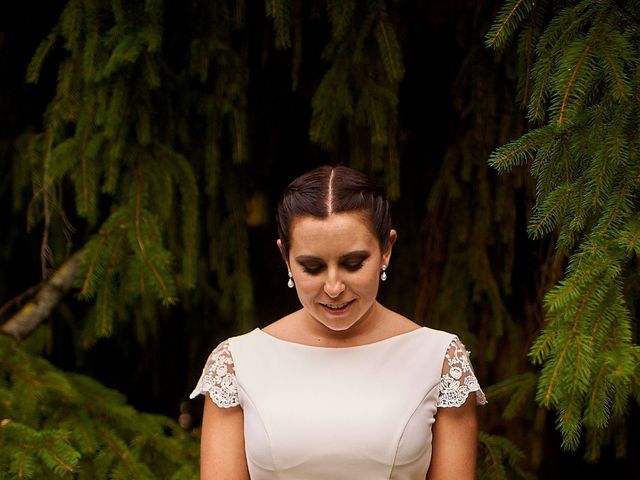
[219, 378]
[458, 379]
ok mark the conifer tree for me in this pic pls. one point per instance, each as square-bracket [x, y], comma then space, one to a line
[119, 131]
[578, 78]
[146, 146]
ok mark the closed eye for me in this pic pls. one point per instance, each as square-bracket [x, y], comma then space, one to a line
[354, 261]
[351, 262]
[312, 270]
[311, 266]
[352, 267]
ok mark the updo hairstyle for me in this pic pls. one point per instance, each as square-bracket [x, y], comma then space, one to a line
[326, 190]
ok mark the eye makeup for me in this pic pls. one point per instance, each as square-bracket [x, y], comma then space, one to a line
[354, 260]
[313, 268]
[351, 261]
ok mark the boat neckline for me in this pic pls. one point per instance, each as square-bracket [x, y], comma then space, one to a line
[350, 347]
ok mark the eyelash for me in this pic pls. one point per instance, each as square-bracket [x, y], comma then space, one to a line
[317, 270]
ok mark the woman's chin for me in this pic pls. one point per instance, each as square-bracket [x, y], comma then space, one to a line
[337, 320]
[340, 320]
[336, 326]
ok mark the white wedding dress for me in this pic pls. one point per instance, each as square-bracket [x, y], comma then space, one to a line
[339, 413]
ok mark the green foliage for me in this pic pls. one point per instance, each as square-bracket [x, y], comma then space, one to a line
[511, 15]
[499, 459]
[140, 138]
[123, 135]
[340, 15]
[280, 12]
[120, 133]
[584, 159]
[359, 92]
[28, 452]
[216, 59]
[147, 140]
[61, 425]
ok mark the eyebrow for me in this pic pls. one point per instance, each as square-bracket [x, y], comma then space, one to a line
[312, 258]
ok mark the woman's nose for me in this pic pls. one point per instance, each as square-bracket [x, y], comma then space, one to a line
[333, 286]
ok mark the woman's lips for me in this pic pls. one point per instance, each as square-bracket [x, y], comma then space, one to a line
[337, 308]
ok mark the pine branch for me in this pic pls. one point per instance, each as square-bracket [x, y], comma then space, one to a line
[629, 237]
[615, 52]
[45, 448]
[522, 149]
[546, 216]
[570, 85]
[93, 433]
[389, 50]
[509, 18]
[85, 206]
[587, 193]
[340, 14]
[35, 65]
[499, 459]
[598, 407]
[280, 12]
[45, 250]
[167, 294]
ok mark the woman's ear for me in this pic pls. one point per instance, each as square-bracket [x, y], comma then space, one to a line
[281, 248]
[386, 255]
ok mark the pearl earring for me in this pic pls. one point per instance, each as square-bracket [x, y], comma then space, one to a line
[290, 283]
[383, 275]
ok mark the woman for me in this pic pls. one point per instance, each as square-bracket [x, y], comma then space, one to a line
[343, 388]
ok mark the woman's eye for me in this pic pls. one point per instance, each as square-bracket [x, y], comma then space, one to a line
[353, 266]
[312, 270]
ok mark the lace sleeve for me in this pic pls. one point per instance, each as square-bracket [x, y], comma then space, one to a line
[219, 378]
[458, 379]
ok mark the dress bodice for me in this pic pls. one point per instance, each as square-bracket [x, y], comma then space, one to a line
[340, 413]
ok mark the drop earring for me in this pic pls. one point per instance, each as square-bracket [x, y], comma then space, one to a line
[290, 283]
[383, 275]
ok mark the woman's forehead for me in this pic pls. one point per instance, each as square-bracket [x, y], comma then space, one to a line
[346, 229]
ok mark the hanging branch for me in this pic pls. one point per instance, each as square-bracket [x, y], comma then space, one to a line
[31, 315]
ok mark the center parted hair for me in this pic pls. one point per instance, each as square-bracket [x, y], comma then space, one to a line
[326, 190]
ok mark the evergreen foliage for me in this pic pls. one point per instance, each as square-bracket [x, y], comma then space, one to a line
[119, 130]
[583, 154]
[360, 88]
[123, 132]
[61, 425]
[99, 133]
[499, 459]
[146, 149]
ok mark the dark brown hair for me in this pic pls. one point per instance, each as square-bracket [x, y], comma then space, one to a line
[326, 190]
